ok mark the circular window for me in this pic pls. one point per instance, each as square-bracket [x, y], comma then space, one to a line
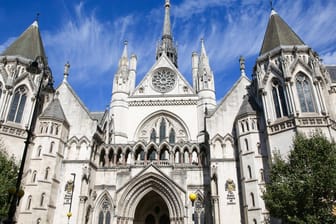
[163, 80]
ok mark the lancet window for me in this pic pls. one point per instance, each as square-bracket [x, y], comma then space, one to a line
[305, 93]
[17, 105]
[279, 99]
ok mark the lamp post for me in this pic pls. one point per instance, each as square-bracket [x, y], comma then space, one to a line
[193, 197]
[69, 214]
[34, 68]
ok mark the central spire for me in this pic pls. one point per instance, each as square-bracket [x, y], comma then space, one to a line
[166, 24]
[167, 45]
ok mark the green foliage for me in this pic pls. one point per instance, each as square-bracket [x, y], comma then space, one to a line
[8, 176]
[302, 188]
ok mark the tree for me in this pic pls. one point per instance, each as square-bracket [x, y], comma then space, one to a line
[8, 176]
[302, 188]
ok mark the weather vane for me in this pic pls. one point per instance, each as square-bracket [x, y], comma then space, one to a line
[271, 1]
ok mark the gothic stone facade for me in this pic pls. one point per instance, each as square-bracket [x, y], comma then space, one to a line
[161, 139]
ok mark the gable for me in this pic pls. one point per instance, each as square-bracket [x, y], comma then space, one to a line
[163, 79]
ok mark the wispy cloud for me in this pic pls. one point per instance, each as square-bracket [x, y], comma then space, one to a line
[89, 45]
[230, 28]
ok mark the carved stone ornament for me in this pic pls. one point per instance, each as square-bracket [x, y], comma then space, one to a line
[163, 80]
[230, 186]
[69, 186]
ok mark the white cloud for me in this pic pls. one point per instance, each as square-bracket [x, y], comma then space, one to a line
[329, 58]
[88, 44]
[230, 29]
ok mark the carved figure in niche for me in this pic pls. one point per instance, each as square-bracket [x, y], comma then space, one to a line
[69, 186]
[230, 186]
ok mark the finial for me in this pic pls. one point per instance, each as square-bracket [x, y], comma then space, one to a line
[167, 3]
[66, 71]
[242, 65]
[37, 17]
[271, 2]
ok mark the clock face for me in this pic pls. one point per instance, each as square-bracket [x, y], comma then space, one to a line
[163, 80]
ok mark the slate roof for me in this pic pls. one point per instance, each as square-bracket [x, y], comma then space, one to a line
[28, 45]
[54, 111]
[248, 107]
[278, 33]
[332, 71]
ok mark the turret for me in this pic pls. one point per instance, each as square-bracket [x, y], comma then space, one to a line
[205, 80]
[123, 84]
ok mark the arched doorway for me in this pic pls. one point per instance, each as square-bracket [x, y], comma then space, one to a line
[151, 209]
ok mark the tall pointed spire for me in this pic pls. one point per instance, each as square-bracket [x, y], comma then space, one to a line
[166, 24]
[167, 45]
[278, 33]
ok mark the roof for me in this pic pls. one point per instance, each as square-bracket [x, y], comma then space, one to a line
[28, 45]
[97, 115]
[332, 71]
[248, 107]
[278, 33]
[54, 111]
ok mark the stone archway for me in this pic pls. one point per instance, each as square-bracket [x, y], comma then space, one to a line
[151, 209]
[168, 195]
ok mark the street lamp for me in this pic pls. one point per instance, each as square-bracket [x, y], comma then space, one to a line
[34, 69]
[69, 214]
[193, 197]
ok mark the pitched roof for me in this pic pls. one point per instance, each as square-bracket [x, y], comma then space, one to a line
[278, 33]
[248, 107]
[332, 71]
[28, 45]
[54, 111]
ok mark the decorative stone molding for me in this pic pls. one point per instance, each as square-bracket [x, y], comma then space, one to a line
[144, 103]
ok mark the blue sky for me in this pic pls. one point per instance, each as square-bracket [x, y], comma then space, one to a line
[90, 35]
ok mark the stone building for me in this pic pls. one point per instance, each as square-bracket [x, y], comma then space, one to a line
[163, 138]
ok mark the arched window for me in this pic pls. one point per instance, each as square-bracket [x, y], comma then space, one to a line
[29, 199]
[249, 171]
[17, 105]
[39, 221]
[305, 93]
[177, 156]
[46, 175]
[139, 154]
[262, 175]
[164, 154]
[34, 176]
[186, 156]
[111, 156]
[242, 126]
[51, 149]
[172, 136]
[151, 154]
[246, 144]
[102, 157]
[108, 218]
[42, 199]
[254, 221]
[162, 130]
[279, 99]
[39, 150]
[101, 217]
[104, 216]
[153, 136]
[252, 200]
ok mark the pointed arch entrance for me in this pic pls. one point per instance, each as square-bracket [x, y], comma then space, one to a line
[152, 209]
[151, 186]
